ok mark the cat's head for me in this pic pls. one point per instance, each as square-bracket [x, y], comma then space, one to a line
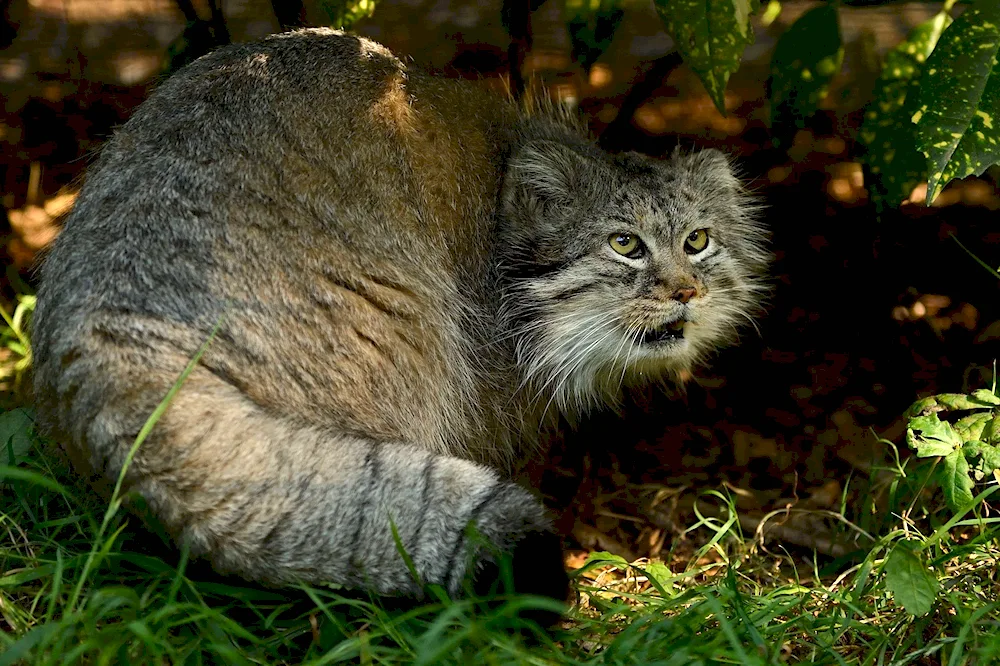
[624, 268]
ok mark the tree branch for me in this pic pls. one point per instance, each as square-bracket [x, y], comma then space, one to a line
[291, 14]
[516, 18]
[219, 30]
[619, 132]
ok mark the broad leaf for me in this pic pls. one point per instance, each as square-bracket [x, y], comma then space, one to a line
[906, 576]
[986, 397]
[16, 428]
[970, 428]
[984, 458]
[930, 436]
[345, 13]
[950, 402]
[602, 557]
[953, 475]
[991, 432]
[711, 36]
[592, 25]
[660, 577]
[805, 60]
[895, 166]
[958, 119]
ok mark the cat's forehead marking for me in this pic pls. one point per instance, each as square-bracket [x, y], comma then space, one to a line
[663, 199]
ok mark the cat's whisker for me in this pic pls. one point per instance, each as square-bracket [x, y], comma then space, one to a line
[626, 335]
[567, 372]
[637, 331]
[541, 363]
[732, 309]
[548, 324]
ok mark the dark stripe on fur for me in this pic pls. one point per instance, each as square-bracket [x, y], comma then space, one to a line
[567, 294]
[496, 491]
[373, 469]
[526, 268]
[359, 290]
[272, 540]
[430, 464]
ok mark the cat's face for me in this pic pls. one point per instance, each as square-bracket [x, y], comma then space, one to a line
[626, 268]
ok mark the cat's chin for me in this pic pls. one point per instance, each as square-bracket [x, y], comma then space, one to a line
[663, 348]
[662, 360]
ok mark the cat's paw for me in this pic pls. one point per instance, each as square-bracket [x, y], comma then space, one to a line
[534, 566]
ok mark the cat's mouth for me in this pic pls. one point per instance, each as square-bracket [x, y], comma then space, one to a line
[669, 332]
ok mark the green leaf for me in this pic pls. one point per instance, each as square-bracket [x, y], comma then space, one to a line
[660, 577]
[930, 436]
[16, 428]
[950, 402]
[958, 119]
[601, 557]
[906, 576]
[991, 431]
[592, 25]
[986, 397]
[953, 475]
[771, 12]
[894, 164]
[806, 58]
[345, 13]
[984, 457]
[970, 428]
[711, 36]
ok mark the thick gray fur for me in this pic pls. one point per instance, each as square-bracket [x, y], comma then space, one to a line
[411, 276]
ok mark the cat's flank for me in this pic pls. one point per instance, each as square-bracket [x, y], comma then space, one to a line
[412, 278]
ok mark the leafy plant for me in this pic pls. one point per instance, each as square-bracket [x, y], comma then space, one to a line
[14, 339]
[968, 448]
[592, 25]
[805, 60]
[960, 99]
[894, 162]
[908, 579]
[711, 35]
[345, 13]
[936, 112]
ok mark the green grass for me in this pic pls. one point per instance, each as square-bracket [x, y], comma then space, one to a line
[81, 584]
[81, 581]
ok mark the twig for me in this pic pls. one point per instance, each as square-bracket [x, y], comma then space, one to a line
[199, 36]
[516, 18]
[615, 136]
[763, 527]
[973, 255]
[187, 8]
[219, 30]
[34, 184]
[760, 527]
[291, 14]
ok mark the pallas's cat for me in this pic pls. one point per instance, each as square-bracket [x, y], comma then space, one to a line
[408, 278]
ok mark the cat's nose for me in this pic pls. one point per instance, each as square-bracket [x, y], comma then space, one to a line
[684, 294]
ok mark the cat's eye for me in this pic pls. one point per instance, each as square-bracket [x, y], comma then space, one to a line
[626, 245]
[696, 241]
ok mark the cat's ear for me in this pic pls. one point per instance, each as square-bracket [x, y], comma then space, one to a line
[711, 165]
[547, 172]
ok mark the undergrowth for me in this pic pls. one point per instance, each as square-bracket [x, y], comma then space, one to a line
[81, 581]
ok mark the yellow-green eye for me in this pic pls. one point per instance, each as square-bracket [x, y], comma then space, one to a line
[626, 245]
[696, 241]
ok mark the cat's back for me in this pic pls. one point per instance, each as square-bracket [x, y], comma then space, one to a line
[310, 116]
[312, 193]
